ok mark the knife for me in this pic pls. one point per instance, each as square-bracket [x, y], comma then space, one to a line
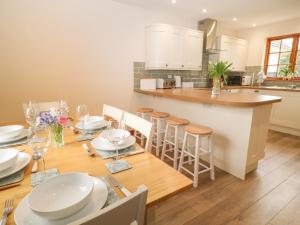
[115, 183]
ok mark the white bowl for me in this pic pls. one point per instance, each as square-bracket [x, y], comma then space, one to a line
[8, 157]
[61, 196]
[118, 135]
[7, 132]
[92, 122]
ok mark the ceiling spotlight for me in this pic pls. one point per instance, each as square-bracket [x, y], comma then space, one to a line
[204, 10]
[254, 25]
[173, 1]
[234, 19]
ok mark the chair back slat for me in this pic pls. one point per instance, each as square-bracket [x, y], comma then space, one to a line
[141, 125]
[113, 112]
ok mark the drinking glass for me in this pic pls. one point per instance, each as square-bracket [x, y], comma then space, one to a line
[40, 143]
[64, 108]
[82, 115]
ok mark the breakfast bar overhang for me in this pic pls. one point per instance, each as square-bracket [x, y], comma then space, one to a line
[240, 122]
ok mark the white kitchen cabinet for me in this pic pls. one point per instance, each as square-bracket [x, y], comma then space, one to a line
[285, 115]
[192, 47]
[173, 48]
[232, 50]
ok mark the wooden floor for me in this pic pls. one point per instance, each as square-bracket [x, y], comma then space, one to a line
[270, 195]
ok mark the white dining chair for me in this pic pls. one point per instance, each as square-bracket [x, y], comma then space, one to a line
[141, 125]
[113, 112]
[127, 211]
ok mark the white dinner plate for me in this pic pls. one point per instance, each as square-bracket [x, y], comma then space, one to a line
[23, 160]
[24, 216]
[24, 133]
[98, 144]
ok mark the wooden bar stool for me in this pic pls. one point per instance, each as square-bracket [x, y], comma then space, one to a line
[199, 133]
[172, 141]
[144, 113]
[158, 119]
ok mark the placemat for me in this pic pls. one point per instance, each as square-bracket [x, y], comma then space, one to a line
[39, 177]
[117, 166]
[110, 154]
[14, 178]
[112, 195]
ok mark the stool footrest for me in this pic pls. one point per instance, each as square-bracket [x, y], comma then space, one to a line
[186, 170]
[169, 157]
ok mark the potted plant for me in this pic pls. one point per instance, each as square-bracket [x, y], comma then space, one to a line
[287, 73]
[217, 72]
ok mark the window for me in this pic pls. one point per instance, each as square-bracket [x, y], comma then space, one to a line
[281, 52]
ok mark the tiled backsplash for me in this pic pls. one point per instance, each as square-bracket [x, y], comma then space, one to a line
[199, 78]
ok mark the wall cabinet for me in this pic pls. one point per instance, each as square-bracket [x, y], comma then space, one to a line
[232, 50]
[173, 48]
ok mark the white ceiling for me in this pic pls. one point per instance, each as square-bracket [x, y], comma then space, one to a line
[247, 12]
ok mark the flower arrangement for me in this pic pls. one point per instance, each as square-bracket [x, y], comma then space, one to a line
[56, 122]
[217, 72]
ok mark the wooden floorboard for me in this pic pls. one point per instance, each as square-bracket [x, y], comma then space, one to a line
[267, 196]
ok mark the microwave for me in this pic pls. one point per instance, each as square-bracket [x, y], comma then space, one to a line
[234, 81]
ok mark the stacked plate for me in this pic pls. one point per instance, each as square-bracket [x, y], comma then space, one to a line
[112, 140]
[12, 161]
[61, 200]
[12, 134]
[92, 123]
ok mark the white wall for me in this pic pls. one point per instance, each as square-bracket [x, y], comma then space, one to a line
[78, 50]
[257, 38]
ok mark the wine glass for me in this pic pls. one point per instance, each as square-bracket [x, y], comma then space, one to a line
[39, 144]
[31, 113]
[82, 116]
[64, 108]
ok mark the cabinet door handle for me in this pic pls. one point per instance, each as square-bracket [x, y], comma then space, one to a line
[166, 65]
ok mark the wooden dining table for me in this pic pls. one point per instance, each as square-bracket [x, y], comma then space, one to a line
[161, 179]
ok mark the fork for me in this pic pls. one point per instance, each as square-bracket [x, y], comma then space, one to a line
[8, 207]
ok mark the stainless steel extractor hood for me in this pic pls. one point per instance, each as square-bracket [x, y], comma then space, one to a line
[209, 27]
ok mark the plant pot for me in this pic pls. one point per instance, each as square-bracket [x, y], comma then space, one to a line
[57, 136]
[216, 90]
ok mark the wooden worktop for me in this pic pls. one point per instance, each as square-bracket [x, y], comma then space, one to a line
[204, 96]
[270, 88]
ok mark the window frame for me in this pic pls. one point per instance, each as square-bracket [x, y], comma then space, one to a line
[294, 51]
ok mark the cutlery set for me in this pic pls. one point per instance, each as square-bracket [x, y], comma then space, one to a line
[8, 207]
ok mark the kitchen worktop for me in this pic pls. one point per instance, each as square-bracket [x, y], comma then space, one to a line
[273, 88]
[203, 95]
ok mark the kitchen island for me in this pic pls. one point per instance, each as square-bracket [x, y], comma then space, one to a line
[240, 121]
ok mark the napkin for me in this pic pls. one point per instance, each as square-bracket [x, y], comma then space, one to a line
[118, 166]
[84, 137]
[40, 177]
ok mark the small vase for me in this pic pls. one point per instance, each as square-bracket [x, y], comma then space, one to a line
[57, 136]
[216, 90]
